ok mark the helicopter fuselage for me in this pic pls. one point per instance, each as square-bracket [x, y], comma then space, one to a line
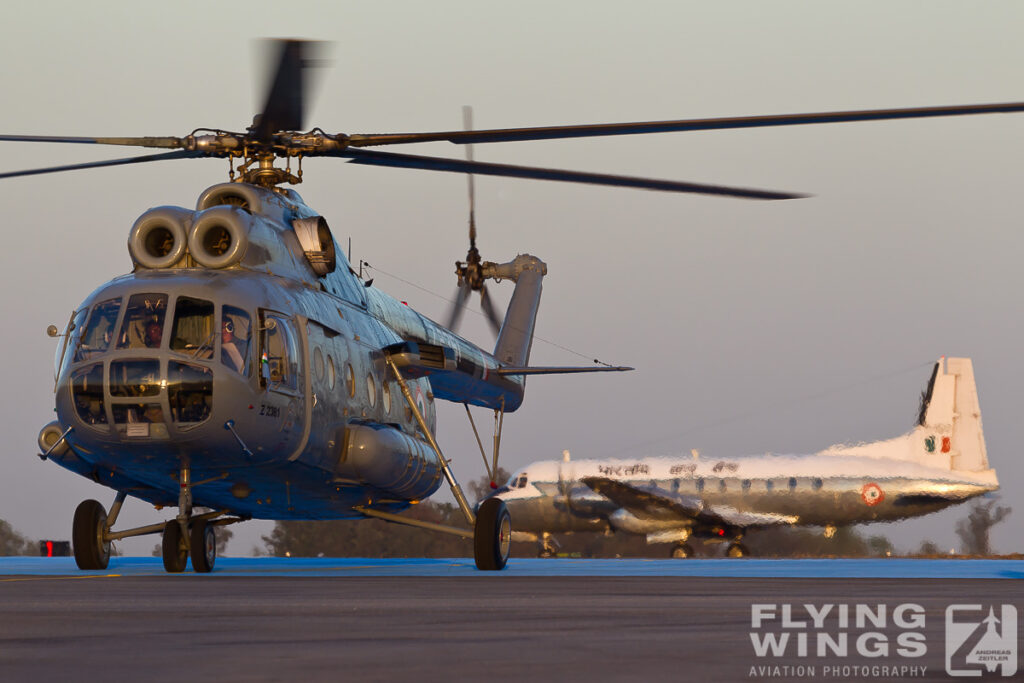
[266, 379]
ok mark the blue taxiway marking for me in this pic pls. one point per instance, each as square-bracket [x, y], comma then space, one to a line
[891, 568]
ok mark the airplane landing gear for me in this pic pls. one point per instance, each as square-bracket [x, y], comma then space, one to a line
[92, 550]
[548, 546]
[492, 535]
[737, 550]
[203, 546]
[682, 551]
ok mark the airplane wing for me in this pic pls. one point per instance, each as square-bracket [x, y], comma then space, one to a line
[649, 500]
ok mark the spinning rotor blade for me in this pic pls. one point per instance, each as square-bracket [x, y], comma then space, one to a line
[602, 129]
[458, 306]
[172, 143]
[375, 158]
[467, 123]
[492, 314]
[285, 103]
[181, 154]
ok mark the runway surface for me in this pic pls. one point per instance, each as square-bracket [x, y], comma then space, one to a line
[888, 568]
[282, 619]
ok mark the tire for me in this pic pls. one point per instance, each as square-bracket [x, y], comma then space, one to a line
[492, 535]
[203, 546]
[737, 550]
[174, 551]
[87, 535]
[681, 551]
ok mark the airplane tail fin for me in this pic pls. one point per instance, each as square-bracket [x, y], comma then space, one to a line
[948, 434]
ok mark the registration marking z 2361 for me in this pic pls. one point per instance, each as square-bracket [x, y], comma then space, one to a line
[269, 411]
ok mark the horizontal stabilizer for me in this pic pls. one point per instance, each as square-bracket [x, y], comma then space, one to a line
[562, 370]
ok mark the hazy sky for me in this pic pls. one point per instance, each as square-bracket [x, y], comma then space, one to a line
[754, 326]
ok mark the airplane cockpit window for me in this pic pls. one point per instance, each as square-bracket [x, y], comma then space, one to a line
[235, 339]
[193, 332]
[189, 392]
[143, 326]
[279, 358]
[87, 394]
[522, 481]
[100, 329]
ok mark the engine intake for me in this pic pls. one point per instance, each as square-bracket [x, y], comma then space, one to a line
[158, 238]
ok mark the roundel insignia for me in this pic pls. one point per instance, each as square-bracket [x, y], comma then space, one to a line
[872, 494]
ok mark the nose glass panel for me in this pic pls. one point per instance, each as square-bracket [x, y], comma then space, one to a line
[134, 378]
[87, 394]
[139, 420]
[189, 392]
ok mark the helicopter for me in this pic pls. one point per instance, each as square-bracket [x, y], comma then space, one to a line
[244, 370]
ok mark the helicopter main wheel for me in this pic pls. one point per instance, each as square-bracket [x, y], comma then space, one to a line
[682, 551]
[91, 552]
[175, 551]
[737, 550]
[203, 546]
[492, 535]
[546, 553]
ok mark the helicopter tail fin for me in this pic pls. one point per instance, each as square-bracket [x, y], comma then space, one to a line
[516, 336]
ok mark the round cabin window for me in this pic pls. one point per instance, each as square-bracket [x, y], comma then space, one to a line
[385, 396]
[331, 374]
[318, 363]
[351, 380]
[371, 390]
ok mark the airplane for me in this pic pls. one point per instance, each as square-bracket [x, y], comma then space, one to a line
[243, 365]
[941, 462]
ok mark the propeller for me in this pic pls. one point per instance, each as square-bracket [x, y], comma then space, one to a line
[471, 272]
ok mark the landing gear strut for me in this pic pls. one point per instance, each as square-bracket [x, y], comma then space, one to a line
[184, 535]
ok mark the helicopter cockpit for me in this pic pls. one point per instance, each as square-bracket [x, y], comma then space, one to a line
[145, 361]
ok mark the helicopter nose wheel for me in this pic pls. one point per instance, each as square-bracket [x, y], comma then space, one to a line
[203, 546]
[175, 551]
[87, 530]
[737, 550]
[682, 551]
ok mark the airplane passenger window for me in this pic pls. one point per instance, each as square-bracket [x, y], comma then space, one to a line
[143, 326]
[721, 485]
[768, 485]
[235, 339]
[700, 485]
[279, 353]
[792, 483]
[817, 484]
[193, 332]
[87, 393]
[100, 329]
[746, 485]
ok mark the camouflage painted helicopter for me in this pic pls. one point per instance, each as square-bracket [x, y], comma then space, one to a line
[242, 366]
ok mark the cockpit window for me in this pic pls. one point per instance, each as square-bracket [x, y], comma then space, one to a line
[189, 392]
[279, 359]
[235, 338]
[87, 394]
[100, 329]
[71, 341]
[193, 332]
[143, 325]
[522, 481]
[134, 378]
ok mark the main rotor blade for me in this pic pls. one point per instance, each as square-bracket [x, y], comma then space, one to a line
[172, 143]
[467, 124]
[488, 307]
[181, 154]
[283, 107]
[601, 129]
[285, 104]
[375, 158]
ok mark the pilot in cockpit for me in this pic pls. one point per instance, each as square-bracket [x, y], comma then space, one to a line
[230, 355]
